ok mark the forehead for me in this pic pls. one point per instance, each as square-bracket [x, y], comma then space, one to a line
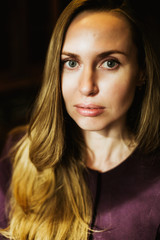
[103, 27]
[103, 18]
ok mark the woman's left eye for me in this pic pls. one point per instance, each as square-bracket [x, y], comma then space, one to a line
[110, 64]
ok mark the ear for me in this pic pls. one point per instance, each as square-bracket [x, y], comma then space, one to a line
[141, 79]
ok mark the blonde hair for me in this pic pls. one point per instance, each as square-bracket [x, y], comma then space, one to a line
[49, 195]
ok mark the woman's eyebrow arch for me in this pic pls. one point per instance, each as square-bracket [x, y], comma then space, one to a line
[110, 52]
[100, 55]
[72, 55]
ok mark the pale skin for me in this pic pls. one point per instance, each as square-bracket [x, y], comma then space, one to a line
[99, 76]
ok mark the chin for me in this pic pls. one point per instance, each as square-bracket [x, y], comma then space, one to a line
[98, 126]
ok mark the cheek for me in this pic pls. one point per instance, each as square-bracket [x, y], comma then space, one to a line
[66, 87]
[120, 92]
[69, 85]
[68, 91]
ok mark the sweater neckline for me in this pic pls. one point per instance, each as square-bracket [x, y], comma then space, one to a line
[126, 163]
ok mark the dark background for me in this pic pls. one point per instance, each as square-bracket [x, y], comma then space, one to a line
[25, 30]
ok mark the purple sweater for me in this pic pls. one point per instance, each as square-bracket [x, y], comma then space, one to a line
[126, 199]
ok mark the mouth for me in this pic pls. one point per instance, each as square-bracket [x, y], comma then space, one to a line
[89, 106]
[89, 110]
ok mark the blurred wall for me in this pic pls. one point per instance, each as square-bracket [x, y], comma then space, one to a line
[25, 30]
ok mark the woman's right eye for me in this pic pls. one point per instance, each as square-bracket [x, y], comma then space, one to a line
[70, 64]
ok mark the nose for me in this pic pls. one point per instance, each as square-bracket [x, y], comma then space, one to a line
[88, 85]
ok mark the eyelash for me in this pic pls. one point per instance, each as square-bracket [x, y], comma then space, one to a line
[65, 61]
[115, 61]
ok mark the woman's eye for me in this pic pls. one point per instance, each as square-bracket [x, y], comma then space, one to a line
[110, 64]
[71, 64]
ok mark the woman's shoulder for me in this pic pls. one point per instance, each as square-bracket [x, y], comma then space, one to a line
[151, 157]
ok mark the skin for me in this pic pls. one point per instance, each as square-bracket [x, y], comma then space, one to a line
[99, 75]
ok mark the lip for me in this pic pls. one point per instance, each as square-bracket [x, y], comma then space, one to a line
[89, 110]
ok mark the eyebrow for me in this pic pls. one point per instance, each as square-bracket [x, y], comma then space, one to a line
[73, 55]
[107, 53]
[99, 56]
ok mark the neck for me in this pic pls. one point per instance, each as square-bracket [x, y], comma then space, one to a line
[107, 150]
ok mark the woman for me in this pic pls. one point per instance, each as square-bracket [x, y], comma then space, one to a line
[88, 165]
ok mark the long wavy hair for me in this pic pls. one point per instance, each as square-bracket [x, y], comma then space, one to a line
[49, 197]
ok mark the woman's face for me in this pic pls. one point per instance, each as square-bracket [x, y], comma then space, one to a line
[99, 70]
